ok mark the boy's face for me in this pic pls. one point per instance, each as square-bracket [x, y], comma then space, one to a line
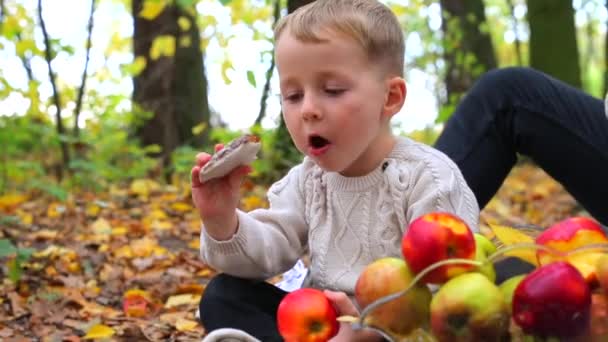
[334, 103]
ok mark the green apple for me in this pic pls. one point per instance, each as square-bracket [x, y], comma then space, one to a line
[508, 288]
[484, 248]
[483, 243]
[469, 307]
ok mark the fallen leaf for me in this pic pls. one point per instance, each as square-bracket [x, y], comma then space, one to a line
[99, 331]
[510, 236]
[182, 299]
[183, 324]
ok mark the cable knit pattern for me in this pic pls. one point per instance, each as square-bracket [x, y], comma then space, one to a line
[345, 223]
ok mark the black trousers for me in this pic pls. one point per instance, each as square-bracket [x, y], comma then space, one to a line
[251, 305]
[521, 110]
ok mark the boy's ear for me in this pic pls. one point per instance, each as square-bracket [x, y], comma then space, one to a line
[395, 96]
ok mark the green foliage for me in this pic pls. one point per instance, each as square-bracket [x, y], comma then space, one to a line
[16, 257]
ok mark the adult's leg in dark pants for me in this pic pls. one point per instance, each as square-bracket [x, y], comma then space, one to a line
[521, 110]
[248, 305]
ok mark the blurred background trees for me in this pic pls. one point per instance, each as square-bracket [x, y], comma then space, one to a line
[133, 98]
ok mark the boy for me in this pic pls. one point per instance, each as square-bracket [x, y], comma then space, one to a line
[340, 65]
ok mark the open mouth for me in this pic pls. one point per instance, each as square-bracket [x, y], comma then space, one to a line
[318, 144]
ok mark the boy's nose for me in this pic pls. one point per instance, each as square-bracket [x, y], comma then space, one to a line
[310, 110]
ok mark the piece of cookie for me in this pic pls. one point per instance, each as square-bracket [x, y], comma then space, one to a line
[240, 151]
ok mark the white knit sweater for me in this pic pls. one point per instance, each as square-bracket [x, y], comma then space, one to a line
[345, 223]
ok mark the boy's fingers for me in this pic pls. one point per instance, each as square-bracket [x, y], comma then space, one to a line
[236, 176]
[218, 147]
[202, 158]
[342, 303]
[194, 178]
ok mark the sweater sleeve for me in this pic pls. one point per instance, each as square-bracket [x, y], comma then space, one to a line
[440, 186]
[268, 241]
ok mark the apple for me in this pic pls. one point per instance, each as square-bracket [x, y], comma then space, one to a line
[434, 237]
[508, 287]
[569, 234]
[601, 271]
[484, 244]
[307, 315]
[469, 307]
[402, 315]
[553, 301]
[485, 248]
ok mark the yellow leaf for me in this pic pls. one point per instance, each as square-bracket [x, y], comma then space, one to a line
[143, 187]
[101, 226]
[161, 225]
[55, 210]
[99, 331]
[120, 230]
[252, 202]
[143, 247]
[198, 129]
[195, 243]
[152, 8]
[137, 66]
[184, 23]
[162, 46]
[510, 236]
[92, 210]
[185, 42]
[25, 217]
[226, 65]
[183, 324]
[182, 299]
[132, 293]
[11, 200]
[181, 207]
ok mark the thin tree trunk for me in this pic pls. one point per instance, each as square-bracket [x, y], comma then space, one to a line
[26, 63]
[468, 50]
[56, 96]
[83, 81]
[553, 47]
[172, 88]
[269, 72]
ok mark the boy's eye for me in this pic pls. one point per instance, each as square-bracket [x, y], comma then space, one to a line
[292, 97]
[334, 91]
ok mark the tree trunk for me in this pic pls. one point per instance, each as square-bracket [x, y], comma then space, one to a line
[553, 47]
[172, 88]
[468, 49]
[282, 139]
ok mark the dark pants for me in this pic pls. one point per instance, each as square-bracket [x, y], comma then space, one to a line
[248, 305]
[520, 110]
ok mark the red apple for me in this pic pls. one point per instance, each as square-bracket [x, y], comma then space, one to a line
[570, 234]
[307, 315]
[402, 315]
[553, 301]
[434, 237]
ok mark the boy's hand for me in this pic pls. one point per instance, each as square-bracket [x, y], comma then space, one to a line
[345, 306]
[217, 199]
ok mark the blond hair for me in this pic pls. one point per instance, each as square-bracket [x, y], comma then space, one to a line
[371, 24]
